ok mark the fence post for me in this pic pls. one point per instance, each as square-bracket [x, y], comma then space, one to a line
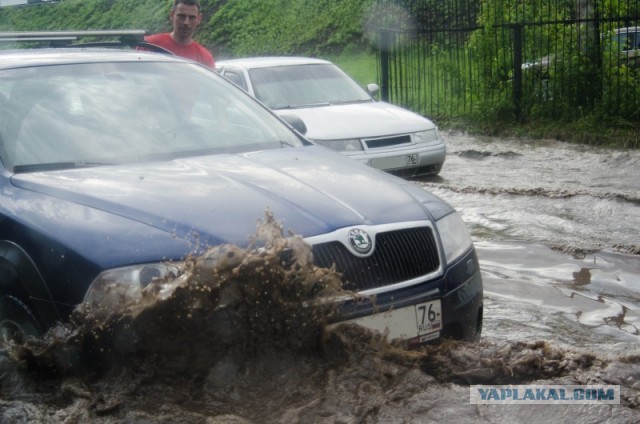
[385, 46]
[517, 69]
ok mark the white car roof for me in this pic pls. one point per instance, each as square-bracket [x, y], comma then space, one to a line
[627, 30]
[269, 61]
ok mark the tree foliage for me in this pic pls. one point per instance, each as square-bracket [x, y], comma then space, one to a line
[572, 67]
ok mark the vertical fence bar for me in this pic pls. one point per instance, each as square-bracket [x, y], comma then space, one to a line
[517, 69]
[385, 46]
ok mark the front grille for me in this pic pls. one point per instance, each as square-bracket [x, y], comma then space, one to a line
[416, 171]
[399, 255]
[388, 142]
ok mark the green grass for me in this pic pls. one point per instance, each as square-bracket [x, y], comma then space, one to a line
[361, 66]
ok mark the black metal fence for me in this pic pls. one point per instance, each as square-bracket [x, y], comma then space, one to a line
[512, 59]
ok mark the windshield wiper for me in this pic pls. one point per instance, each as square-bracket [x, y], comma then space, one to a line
[56, 166]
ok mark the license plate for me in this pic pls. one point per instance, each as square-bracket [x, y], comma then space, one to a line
[403, 161]
[428, 317]
[423, 321]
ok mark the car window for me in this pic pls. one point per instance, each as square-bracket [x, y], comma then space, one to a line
[305, 85]
[235, 77]
[123, 112]
[627, 40]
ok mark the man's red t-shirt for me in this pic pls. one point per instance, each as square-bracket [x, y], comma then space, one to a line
[193, 51]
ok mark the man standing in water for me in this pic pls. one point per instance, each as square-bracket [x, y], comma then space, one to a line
[185, 17]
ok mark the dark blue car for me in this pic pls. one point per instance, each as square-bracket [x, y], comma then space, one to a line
[114, 163]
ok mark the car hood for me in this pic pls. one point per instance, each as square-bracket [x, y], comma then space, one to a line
[358, 120]
[220, 198]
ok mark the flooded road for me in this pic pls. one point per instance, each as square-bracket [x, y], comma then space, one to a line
[567, 196]
[556, 229]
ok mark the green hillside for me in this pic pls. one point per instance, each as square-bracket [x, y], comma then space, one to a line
[229, 28]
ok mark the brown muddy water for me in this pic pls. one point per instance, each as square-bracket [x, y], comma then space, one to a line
[239, 338]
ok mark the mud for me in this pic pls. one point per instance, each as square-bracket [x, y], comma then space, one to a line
[240, 335]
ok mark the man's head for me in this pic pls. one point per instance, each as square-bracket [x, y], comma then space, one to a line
[187, 2]
[185, 17]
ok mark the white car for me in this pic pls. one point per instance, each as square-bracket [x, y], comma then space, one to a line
[339, 114]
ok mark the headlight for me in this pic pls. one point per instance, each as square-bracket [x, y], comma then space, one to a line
[455, 236]
[428, 136]
[115, 283]
[349, 145]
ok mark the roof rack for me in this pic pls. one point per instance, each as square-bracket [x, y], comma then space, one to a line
[119, 38]
[124, 35]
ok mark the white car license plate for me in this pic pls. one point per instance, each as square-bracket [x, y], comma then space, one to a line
[423, 320]
[403, 161]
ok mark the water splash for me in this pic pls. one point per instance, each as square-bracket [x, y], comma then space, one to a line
[240, 337]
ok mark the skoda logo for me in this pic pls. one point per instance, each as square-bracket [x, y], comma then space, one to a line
[360, 241]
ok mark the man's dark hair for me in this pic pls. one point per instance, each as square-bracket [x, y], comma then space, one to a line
[187, 2]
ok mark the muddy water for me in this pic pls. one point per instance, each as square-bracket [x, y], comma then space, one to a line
[572, 197]
[556, 231]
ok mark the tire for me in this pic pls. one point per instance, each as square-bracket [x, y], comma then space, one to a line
[477, 334]
[17, 322]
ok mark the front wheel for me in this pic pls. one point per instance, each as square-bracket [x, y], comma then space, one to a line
[16, 322]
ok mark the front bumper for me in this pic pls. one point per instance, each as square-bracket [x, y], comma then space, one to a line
[405, 161]
[460, 295]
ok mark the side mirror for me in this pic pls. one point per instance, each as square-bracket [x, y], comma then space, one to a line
[373, 89]
[296, 122]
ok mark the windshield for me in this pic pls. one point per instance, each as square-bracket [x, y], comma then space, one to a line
[291, 86]
[107, 113]
[627, 40]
